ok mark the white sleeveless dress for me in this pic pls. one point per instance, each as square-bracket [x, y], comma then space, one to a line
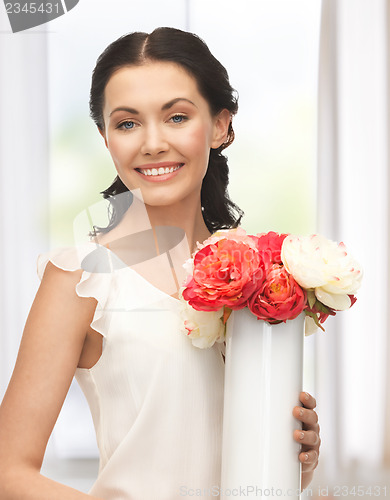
[156, 400]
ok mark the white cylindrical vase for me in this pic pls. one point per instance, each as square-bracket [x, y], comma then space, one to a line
[263, 379]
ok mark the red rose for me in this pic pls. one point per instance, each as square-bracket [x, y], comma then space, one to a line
[270, 246]
[279, 298]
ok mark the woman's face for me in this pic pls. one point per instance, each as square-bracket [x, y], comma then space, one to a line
[159, 131]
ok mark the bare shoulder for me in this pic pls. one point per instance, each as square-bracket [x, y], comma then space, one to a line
[57, 294]
[56, 326]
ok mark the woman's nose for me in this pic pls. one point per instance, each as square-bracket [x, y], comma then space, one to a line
[154, 141]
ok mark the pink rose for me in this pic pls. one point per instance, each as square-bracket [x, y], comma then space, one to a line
[226, 272]
[279, 298]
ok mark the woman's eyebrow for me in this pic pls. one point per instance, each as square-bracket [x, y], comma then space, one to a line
[171, 103]
[166, 106]
[124, 108]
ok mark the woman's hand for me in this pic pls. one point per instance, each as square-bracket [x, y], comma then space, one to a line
[308, 437]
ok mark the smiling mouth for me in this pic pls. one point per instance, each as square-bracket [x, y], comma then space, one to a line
[159, 171]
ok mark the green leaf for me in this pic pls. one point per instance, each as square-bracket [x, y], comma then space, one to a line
[311, 298]
[322, 307]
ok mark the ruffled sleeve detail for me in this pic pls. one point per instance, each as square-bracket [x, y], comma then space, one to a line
[96, 280]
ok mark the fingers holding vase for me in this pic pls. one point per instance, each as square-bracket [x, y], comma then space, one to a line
[309, 435]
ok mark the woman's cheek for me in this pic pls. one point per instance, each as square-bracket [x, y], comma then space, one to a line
[122, 151]
[195, 143]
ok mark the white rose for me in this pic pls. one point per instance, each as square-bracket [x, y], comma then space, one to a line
[189, 266]
[204, 328]
[324, 266]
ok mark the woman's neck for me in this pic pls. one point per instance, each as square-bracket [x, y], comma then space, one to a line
[184, 216]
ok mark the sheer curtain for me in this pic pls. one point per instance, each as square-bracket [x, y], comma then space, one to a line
[353, 206]
[24, 180]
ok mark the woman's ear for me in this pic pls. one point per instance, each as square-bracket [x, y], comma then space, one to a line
[221, 128]
[101, 132]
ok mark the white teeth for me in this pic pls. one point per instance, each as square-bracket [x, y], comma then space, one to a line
[160, 171]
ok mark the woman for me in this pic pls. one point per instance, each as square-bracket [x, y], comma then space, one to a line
[108, 310]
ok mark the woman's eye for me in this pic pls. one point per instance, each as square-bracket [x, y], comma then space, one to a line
[128, 125]
[179, 118]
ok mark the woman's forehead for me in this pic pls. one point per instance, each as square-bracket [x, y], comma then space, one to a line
[151, 76]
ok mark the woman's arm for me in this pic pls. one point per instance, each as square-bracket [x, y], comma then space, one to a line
[52, 341]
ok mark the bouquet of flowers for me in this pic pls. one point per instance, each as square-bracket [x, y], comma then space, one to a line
[277, 276]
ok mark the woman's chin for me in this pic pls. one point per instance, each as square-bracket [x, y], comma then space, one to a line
[166, 197]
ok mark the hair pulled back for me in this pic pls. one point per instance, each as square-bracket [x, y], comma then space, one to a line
[191, 53]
